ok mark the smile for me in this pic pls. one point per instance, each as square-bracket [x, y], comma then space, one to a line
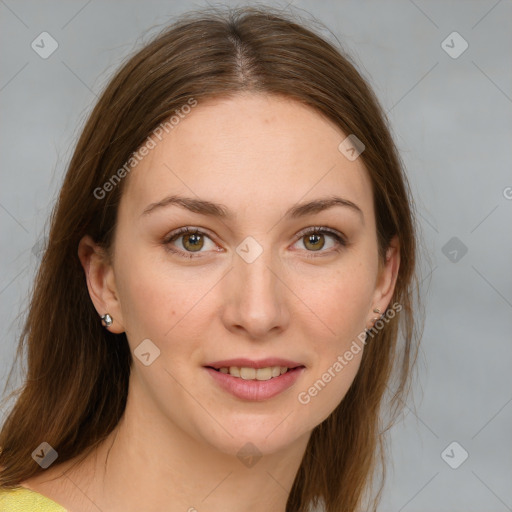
[255, 384]
[247, 373]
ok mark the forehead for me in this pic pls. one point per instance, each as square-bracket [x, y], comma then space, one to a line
[247, 151]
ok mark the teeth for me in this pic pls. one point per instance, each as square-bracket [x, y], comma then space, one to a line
[255, 374]
[245, 373]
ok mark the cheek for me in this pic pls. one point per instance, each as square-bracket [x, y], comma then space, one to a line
[343, 300]
[157, 299]
[337, 342]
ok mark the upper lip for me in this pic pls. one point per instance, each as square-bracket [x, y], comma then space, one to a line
[251, 363]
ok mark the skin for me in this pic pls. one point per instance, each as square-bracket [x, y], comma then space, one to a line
[176, 446]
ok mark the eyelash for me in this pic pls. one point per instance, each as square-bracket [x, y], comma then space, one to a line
[338, 237]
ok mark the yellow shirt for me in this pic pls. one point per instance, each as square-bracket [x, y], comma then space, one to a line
[25, 500]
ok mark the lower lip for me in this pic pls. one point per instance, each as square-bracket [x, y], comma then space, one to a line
[255, 389]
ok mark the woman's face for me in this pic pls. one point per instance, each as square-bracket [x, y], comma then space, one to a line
[253, 284]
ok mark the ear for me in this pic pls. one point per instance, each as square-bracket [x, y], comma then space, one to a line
[101, 282]
[387, 276]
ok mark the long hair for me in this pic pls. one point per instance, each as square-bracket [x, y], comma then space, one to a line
[76, 385]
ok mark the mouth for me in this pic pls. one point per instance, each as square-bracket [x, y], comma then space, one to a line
[252, 373]
[248, 383]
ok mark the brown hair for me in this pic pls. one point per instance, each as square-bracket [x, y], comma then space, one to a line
[77, 378]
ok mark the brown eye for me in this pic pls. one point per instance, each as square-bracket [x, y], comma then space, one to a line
[193, 242]
[314, 241]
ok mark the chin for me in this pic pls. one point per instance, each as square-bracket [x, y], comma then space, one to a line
[256, 434]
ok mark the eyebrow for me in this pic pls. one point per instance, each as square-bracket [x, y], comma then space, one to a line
[210, 208]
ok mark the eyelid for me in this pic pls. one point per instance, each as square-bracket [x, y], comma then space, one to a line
[320, 229]
[186, 230]
[340, 239]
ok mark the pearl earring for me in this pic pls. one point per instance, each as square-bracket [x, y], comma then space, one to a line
[107, 320]
[375, 318]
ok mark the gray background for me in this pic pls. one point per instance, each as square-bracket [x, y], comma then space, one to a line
[452, 121]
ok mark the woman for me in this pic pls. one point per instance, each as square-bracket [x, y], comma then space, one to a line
[227, 288]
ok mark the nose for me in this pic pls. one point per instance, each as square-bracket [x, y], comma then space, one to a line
[256, 297]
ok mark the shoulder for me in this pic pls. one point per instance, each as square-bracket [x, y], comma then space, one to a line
[22, 499]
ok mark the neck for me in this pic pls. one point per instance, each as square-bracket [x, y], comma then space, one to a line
[151, 464]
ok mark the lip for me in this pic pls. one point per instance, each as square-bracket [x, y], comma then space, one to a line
[255, 390]
[250, 363]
